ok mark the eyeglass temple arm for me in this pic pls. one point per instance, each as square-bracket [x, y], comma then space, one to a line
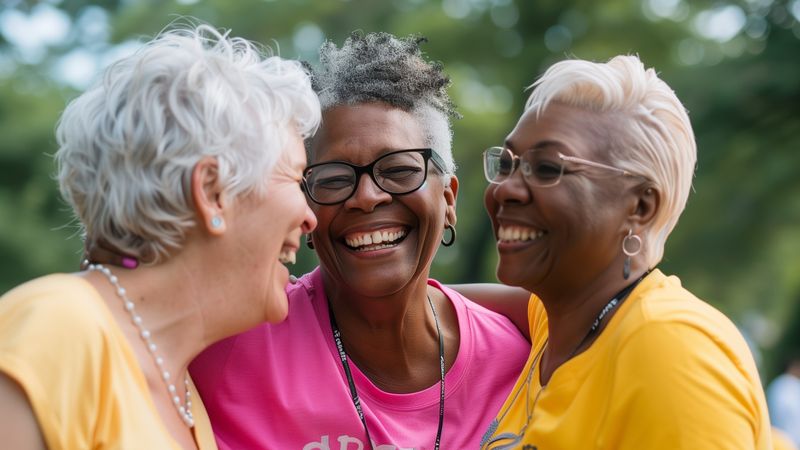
[437, 161]
[594, 164]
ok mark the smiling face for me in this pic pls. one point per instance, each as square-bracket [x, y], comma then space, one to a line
[552, 238]
[375, 243]
[271, 227]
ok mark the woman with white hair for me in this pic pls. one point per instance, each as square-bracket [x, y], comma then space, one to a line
[188, 156]
[583, 195]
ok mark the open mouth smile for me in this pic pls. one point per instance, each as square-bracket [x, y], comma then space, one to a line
[288, 255]
[364, 241]
[517, 233]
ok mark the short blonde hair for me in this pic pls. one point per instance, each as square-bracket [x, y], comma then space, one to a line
[650, 131]
[128, 145]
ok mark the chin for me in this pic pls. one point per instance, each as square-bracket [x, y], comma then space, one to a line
[511, 277]
[376, 280]
[277, 307]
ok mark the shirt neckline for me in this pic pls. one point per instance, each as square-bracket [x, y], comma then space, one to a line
[366, 388]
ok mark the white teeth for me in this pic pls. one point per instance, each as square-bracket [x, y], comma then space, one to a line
[373, 247]
[374, 238]
[287, 257]
[517, 233]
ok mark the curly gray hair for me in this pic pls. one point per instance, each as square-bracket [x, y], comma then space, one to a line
[128, 145]
[379, 67]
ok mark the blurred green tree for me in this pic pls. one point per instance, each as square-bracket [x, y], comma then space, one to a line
[734, 63]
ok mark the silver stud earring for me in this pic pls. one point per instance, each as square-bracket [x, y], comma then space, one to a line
[216, 222]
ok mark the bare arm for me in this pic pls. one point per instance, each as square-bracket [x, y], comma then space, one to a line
[18, 425]
[509, 301]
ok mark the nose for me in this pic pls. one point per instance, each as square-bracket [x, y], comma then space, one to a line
[367, 195]
[309, 220]
[512, 190]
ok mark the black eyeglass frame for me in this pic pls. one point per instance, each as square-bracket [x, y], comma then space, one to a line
[427, 155]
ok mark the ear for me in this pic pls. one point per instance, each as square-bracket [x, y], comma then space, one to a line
[647, 202]
[207, 196]
[450, 196]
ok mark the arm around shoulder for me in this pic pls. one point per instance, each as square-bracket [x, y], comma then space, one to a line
[509, 301]
[18, 424]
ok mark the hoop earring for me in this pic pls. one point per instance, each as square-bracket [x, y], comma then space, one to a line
[626, 265]
[309, 242]
[452, 239]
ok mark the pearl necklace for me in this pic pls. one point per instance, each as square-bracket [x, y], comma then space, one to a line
[184, 411]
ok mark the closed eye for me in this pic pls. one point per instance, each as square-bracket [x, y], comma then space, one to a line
[543, 170]
[399, 172]
[333, 183]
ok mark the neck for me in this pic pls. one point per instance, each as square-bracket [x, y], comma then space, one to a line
[172, 325]
[571, 312]
[393, 339]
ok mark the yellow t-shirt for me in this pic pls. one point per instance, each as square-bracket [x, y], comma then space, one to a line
[781, 440]
[668, 372]
[59, 341]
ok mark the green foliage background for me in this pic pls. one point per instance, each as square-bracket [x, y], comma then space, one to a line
[736, 246]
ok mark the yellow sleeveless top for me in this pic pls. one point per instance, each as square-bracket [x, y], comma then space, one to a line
[59, 341]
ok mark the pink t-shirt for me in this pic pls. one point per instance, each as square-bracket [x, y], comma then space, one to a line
[282, 386]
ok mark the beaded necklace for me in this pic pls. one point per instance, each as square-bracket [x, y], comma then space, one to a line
[184, 411]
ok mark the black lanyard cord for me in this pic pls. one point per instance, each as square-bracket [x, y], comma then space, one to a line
[337, 340]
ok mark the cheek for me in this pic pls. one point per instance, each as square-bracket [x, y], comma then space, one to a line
[489, 201]
[590, 208]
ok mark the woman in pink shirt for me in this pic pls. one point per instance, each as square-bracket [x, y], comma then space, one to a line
[373, 354]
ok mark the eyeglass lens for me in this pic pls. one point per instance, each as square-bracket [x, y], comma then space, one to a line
[540, 167]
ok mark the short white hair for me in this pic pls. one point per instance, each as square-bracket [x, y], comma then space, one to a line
[380, 67]
[650, 132]
[128, 145]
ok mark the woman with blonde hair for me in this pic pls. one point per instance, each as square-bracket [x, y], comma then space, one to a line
[188, 156]
[582, 196]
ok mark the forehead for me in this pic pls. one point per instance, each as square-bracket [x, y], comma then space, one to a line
[360, 133]
[294, 155]
[577, 131]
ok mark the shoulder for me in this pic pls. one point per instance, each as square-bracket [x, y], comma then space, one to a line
[674, 353]
[680, 377]
[59, 308]
[55, 335]
[307, 289]
[660, 305]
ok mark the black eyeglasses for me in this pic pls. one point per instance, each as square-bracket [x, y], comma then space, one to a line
[397, 173]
